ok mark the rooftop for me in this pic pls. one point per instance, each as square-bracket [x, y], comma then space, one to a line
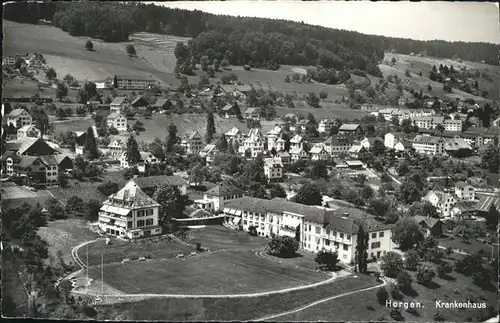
[131, 196]
[224, 188]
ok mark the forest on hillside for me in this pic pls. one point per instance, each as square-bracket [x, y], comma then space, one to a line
[258, 42]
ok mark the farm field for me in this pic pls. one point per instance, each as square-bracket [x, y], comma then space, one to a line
[327, 110]
[472, 247]
[71, 124]
[354, 307]
[224, 272]
[14, 196]
[232, 309]
[63, 235]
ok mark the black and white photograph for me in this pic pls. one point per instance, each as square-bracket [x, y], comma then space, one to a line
[239, 161]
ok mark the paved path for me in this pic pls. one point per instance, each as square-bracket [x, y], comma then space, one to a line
[271, 317]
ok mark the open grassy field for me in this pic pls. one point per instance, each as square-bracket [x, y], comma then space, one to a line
[220, 237]
[24, 87]
[327, 110]
[230, 309]
[72, 124]
[472, 247]
[63, 235]
[222, 272]
[354, 307]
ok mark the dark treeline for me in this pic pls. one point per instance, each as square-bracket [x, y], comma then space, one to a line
[254, 41]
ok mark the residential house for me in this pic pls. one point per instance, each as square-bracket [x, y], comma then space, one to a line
[150, 184]
[430, 226]
[130, 213]
[222, 194]
[358, 152]
[428, 122]
[274, 139]
[118, 104]
[318, 153]
[350, 129]
[145, 158]
[452, 125]
[490, 135]
[429, 145]
[117, 121]
[252, 114]
[474, 136]
[192, 142]
[442, 201]
[298, 153]
[139, 102]
[326, 125]
[130, 82]
[104, 84]
[254, 143]
[28, 131]
[285, 158]
[371, 142]
[19, 117]
[301, 124]
[116, 146]
[38, 169]
[297, 142]
[208, 152]
[30, 146]
[273, 169]
[230, 111]
[161, 104]
[234, 134]
[486, 201]
[456, 146]
[465, 191]
[394, 140]
[9, 61]
[336, 145]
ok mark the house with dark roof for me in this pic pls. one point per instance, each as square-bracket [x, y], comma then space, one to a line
[352, 129]
[192, 142]
[36, 169]
[230, 111]
[222, 194]
[139, 102]
[118, 104]
[430, 226]
[252, 114]
[162, 104]
[130, 213]
[19, 117]
[30, 146]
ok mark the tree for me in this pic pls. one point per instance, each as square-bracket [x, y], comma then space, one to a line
[108, 188]
[282, 246]
[362, 250]
[323, 95]
[90, 146]
[425, 276]
[74, 204]
[404, 280]
[156, 149]
[393, 60]
[171, 139]
[62, 179]
[204, 62]
[130, 49]
[255, 171]
[181, 51]
[327, 258]
[172, 204]
[308, 194]
[198, 174]
[312, 99]
[224, 64]
[61, 114]
[89, 46]
[50, 74]
[492, 217]
[392, 263]
[222, 144]
[491, 158]
[407, 233]
[411, 260]
[443, 269]
[55, 209]
[210, 128]
[318, 169]
[382, 295]
[61, 91]
[132, 153]
[216, 64]
[277, 191]
[252, 230]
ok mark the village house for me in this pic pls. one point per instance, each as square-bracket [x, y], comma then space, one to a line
[273, 169]
[104, 84]
[326, 125]
[222, 194]
[208, 152]
[118, 104]
[318, 153]
[465, 191]
[192, 142]
[130, 82]
[116, 146]
[336, 145]
[252, 114]
[452, 125]
[350, 129]
[9, 61]
[298, 153]
[429, 145]
[235, 135]
[19, 117]
[150, 184]
[394, 140]
[301, 125]
[30, 146]
[117, 121]
[161, 104]
[456, 146]
[230, 111]
[253, 144]
[38, 169]
[474, 136]
[297, 142]
[285, 158]
[358, 152]
[274, 139]
[430, 226]
[442, 201]
[145, 158]
[130, 213]
[29, 131]
[371, 142]
[139, 102]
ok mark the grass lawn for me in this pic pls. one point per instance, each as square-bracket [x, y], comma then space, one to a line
[472, 247]
[13, 286]
[238, 309]
[223, 272]
[354, 307]
[119, 250]
[327, 110]
[64, 235]
[72, 124]
[24, 88]
[220, 237]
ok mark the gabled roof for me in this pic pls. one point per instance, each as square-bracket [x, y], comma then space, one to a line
[339, 141]
[49, 160]
[115, 115]
[427, 139]
[243, 88]
[233, 131]
[316, 150]
[190, 135]
[273, 162]
[228, 107]
[296, 150]
[297, 139]
[349, 127]
[192, 212]
[137, 99]
[160, 103]
[431, 222]
[208, 148]
[252, 110]
[486, 201]
[131, 196]
[27, 127]
[119, 100]
[224, 188]
[24, 162]
[16, 113]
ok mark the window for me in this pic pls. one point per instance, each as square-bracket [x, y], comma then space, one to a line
[346, 247]
[327, 242]
[327, 232]
[244, 222]
[140, 223]
[318, 230]
[374, 235]
[380, 234]
[348, 237]
[140, 213]
[129, 225]
[341, 236]
[309, 227]
[375, 245]
[149, 221]
[149, 212]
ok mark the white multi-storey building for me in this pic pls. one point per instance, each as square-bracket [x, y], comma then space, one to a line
[192, 142]
[318, 153]
[130, 213]
[453, 125]
[326, 125]
[465, 192]
[442, 201]
[19, 117]
[336, 145]
[430, 145]
[253, 143]
[117, 121]
[297, 142]
[273, 169]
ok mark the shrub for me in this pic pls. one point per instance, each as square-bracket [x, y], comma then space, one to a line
[425, 276]
[382, 295]
[404, 280]
[252, 230]
[198, 247]
[396, 292]
[396, 314]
